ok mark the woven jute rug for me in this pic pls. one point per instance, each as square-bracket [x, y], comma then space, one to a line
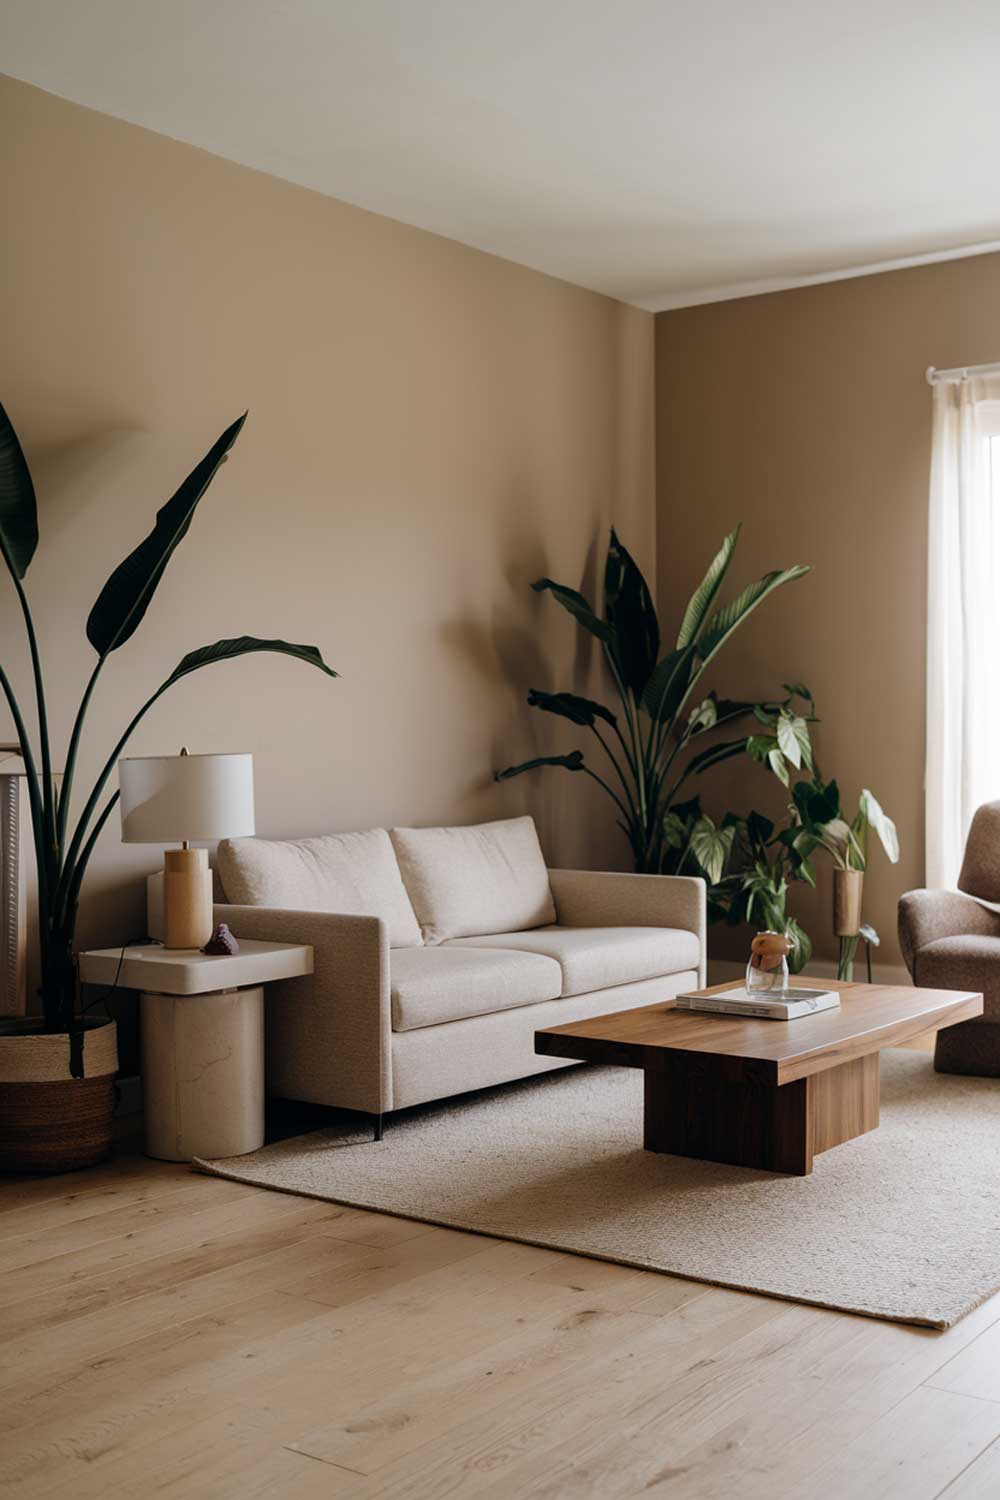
[903, 1223]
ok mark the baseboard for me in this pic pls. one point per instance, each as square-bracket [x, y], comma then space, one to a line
[728, 971]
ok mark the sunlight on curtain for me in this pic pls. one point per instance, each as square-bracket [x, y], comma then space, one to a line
[963, 634]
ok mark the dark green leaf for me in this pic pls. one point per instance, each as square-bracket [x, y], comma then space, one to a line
[18, 511]
[571, 762]
[816, 802]
[569, 706]
[576, 604]
[759, 828]
[125, 597]
[705, 759]
[243, 645]
[668, 684]
[628, 608]
[703, 598]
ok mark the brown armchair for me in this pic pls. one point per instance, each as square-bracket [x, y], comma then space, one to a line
[950, 941]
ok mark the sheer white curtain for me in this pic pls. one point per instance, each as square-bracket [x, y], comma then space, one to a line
[963, 636]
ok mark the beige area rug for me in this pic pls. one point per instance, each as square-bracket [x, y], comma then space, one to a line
[903, 1223]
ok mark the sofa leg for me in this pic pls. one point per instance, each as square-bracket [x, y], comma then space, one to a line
[377, 1126]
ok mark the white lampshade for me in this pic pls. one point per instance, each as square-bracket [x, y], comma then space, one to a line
[169, 798]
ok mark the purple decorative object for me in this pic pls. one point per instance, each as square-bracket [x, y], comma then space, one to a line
[221, 941]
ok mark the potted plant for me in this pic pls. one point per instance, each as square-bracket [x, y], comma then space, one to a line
[57, 1070]
[646, 744]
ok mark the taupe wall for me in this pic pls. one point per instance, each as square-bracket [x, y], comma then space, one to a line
[806, 415]
[430, 429]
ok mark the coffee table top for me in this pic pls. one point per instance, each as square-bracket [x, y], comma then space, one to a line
[871, 1016]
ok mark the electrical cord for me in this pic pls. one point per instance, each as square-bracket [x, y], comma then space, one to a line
[144, 941]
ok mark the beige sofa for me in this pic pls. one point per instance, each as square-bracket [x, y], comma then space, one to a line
[440, 951]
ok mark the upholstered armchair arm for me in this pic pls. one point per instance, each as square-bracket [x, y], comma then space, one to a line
[925, 916]
[602, 898]
[328, 1033]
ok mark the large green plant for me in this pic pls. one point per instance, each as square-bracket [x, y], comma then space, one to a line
[647, 743]
[63, 852]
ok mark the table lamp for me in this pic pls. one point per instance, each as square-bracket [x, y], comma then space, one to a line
[174, 799]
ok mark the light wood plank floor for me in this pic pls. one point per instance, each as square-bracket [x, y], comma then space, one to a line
[172, 1335]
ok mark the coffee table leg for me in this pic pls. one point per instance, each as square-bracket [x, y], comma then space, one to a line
[707, 1108]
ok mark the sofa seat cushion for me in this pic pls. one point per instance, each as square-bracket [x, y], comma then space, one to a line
[592, 958]
[431, 985]
[355, 874]
[970, 962]
[463, 882]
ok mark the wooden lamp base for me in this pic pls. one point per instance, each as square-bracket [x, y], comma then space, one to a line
[187, 898]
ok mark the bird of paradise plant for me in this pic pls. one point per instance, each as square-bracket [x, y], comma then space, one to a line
[646, 743]
[63, 851]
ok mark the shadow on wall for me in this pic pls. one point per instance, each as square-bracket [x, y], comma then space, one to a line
[510, 650]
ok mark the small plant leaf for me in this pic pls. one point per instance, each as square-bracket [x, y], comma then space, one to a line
[578, 607]
[882, 824]
[569, 706]
[711, 847]
[571, 762]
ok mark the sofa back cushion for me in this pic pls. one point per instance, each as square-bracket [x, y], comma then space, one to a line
[464, 882]
[353, 873]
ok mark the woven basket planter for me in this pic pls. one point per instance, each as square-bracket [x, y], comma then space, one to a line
[50, 1121]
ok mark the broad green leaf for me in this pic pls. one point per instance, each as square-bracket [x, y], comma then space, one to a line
[816, 802]
[125, 597]
[18, 511]
[668, 684]
[727, 619]
[569, 706]
[836, 836]
[778, 765]
[571, 762]
[882, 824]
[631, 615]
[244, 645]
[703, 598]
[798, 690]
[759, 747]
[675, 831]
[711, 847]
[759, 828]
[793, 739]
[577, 605]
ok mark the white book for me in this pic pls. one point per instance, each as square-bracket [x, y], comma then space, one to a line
[771, 1005]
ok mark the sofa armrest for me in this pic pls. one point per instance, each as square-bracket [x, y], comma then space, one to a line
[925, 916]
[328, 1033]
[603, 898]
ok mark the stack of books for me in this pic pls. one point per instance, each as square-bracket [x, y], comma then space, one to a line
[772, 1005]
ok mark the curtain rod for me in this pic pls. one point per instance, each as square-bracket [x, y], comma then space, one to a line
[962, 372]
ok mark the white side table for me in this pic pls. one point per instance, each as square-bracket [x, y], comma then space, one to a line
[202, 1040]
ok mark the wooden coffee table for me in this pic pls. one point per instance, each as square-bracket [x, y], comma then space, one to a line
[769, 1094]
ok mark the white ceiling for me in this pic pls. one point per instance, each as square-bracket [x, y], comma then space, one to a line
[666, 153]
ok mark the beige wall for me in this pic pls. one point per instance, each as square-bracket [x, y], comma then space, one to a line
[806, 415]
[430, 429]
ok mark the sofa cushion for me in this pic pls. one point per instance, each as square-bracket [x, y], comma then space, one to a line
[431, 985]
[464, 882]
[970, 962]
[352, 873]
[592, 958]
